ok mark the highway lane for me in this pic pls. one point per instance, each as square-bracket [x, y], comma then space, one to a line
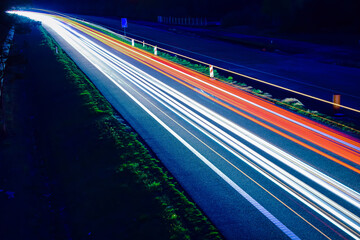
[278, 178]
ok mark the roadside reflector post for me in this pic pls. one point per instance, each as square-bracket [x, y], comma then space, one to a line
[56, 50]
[211, 71]
[155, 50]
[143, 43]
[132, 42]
[336, 101]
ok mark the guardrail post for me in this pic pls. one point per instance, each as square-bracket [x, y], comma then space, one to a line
[336, 100]
[155, 50]
[211, 71]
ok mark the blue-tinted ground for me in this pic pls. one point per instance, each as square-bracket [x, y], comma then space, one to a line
[320, 70]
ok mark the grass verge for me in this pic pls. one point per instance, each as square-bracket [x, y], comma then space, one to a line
[186, 221]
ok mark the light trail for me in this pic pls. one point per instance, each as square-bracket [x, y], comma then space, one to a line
[320, 135]
[250, 110]
[165, 95]
[217, 128]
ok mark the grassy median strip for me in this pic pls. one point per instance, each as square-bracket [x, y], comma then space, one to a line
[184, 219]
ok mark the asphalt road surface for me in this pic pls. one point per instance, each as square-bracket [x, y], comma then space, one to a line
[258, 171]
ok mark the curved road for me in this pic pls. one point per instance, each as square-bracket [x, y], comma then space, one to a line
[258, 171]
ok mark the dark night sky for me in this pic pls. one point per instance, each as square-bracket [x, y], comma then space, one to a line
[307, 15]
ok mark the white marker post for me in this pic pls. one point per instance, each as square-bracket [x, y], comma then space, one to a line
[155, 50]
[132, 42]
[211, 71]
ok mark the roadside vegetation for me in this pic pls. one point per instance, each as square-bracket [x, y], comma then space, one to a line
[291, 104]
[182, 217]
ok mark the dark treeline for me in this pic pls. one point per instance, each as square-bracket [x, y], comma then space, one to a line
[286, 15]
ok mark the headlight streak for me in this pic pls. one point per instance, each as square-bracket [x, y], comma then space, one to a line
[170, 98]
[334, 139]
[202, 122]
[339, 142]
[144, 89]
[354, 159]
[260, 143]
[234, 95]
[265, 146]
[220, 102]
[306, 190]
[101, 37]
